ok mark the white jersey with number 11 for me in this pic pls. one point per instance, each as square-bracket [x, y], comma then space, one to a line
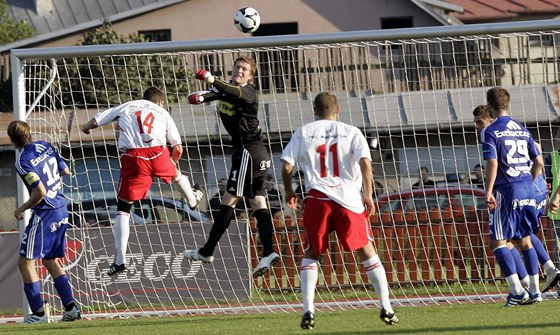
[328, 152]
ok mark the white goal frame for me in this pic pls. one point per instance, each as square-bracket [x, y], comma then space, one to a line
[398, 116]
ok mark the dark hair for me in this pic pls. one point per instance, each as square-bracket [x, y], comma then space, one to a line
[498, 99]
[482, 112]
[154, 95]
[325, 104]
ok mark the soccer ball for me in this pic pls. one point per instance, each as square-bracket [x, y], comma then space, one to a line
[247, 20]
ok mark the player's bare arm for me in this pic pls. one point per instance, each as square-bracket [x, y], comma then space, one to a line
[291, 196]
[491, 172]
[65, 172]
[553, 202]
[367, 187]
[91, 124]
[35, 197]
[177, 153]
[537, 167]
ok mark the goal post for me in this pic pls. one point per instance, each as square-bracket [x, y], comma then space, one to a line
[411, 92]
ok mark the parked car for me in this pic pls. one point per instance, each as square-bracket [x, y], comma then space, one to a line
[99, 216]
[153, 209]
[430, 198]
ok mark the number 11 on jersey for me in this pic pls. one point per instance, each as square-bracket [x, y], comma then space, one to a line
[325, 154]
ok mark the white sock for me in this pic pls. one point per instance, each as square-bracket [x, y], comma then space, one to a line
[121, 232]
[549, 267]
[308, 276]
[514, 283]
[534, 284]
[378, 278]
[186, 190]
[525, 281]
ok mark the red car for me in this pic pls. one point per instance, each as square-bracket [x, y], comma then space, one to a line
[432, 198]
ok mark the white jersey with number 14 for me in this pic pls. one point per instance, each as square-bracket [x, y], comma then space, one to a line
[142, 124]
[328, 152]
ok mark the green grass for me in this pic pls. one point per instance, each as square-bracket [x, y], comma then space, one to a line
[487, 318]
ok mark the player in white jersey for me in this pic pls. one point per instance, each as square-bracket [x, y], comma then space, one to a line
[145, 128]
[336, 160]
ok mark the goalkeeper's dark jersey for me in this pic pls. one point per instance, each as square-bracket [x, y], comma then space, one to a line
[238, 110]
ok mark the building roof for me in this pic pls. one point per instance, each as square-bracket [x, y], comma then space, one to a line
[478, 11]
[53, 15]
[58, 18]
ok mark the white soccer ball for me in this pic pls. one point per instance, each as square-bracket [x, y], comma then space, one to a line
[247, 20]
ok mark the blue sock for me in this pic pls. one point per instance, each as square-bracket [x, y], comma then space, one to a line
[33, 294]
[519, 266]
[542, 255]
[531, 261]
[505, 260]
[62, 285]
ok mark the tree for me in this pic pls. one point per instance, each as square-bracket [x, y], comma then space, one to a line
[110, 80]
[10, 29]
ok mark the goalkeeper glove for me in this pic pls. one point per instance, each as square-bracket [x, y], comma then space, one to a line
[204, 75]
[195, 99]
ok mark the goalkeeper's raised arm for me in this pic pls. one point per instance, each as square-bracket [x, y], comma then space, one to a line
[222, 89]
[238, 110]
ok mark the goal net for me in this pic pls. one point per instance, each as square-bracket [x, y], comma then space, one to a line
[411, 92]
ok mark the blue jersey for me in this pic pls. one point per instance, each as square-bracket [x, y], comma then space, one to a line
[513, 146]
[40, 163]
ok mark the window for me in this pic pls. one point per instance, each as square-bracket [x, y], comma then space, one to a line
[470, 200]
[156, 35]
[427, 202]
[277, 69]
[396, 22]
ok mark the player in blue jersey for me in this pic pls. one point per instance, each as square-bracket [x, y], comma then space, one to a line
[482, 119]
[40, 167]
[513, 162]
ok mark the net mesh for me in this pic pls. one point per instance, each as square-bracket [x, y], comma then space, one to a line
[412, 98]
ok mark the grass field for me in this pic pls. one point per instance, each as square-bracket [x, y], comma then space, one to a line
[487, 318]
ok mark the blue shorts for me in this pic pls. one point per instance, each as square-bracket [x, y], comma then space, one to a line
[45, 235]
[540, 197]
[515, 215]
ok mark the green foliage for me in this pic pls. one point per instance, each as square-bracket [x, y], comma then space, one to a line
[467, 318]
[110, 80]
[12, 30]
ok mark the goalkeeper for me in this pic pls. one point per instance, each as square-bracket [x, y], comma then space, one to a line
[145, 127]
[238, 111]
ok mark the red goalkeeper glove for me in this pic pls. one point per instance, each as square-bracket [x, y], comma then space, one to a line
[204, 75]
[195, 99]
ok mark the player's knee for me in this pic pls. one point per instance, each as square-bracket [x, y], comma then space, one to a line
[177, 177]
[124, 206]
